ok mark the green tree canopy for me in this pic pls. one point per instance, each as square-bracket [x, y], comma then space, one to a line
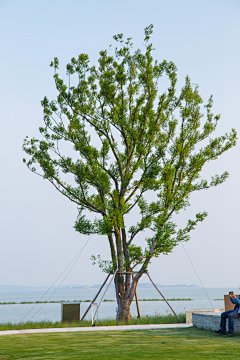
[128, 141]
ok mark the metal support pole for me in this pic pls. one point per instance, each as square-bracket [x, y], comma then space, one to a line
[162, 295]
[136, 297]
[92, 312]
[104, 295]
[95, 297]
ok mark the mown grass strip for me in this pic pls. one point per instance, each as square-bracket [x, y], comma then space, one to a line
[174, 344]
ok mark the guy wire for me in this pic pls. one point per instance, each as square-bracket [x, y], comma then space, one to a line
[74, 260]
[197, 275]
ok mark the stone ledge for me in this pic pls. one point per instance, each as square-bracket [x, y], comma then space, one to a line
[190, 312]
[211, 321]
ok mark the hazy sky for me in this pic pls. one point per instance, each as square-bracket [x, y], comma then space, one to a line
[202, 38]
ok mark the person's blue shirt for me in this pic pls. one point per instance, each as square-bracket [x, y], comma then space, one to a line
[236, 301]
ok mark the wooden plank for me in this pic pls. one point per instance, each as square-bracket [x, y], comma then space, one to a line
[228, 304]
[137, 304]
[162, 295]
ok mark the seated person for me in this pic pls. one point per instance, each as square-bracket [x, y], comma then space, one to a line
[230, 314]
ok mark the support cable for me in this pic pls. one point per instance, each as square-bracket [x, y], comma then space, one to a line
[74, 260]
[197, 276]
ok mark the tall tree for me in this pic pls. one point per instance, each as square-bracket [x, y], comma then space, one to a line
[128, 141]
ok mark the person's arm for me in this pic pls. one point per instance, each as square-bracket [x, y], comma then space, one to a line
[235, 300]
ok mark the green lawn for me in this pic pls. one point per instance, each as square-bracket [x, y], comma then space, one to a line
[164, 344]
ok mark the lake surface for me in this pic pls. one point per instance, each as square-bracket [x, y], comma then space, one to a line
[52, 312]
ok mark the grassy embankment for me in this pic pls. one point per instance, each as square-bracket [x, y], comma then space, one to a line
[174, 344]
[158, 319]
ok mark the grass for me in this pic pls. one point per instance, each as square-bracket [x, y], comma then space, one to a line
[166, 344]
[158, 319]
[105, 300]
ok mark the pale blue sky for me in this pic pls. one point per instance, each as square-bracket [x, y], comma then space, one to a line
[36, 224]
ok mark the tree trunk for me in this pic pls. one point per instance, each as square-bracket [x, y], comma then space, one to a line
[123, 302]
[123, 313]
[125, 288]
[120, 276]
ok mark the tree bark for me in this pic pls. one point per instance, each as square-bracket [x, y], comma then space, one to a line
[125, 286]
[123, 313]
[120, 277]
[128, 269]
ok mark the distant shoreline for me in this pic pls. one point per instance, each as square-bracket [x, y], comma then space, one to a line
[82, 287]
[80, 301]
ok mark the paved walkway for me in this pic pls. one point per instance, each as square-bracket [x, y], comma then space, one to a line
[94, 328]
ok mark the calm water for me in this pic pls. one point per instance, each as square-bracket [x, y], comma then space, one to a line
[52, 312]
